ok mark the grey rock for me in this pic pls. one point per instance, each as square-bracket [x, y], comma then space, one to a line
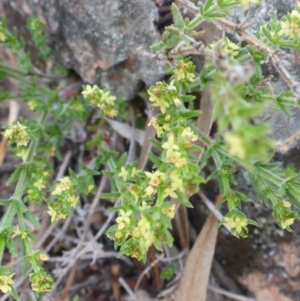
[98, 38]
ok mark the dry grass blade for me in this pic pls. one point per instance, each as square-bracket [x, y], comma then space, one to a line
[229, 294]
[149, 133]
[14, 109]
[204, 121]
[194, 281]
[181, 226]
[127, 131]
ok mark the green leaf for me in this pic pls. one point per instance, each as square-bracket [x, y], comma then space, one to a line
[14, 293]
[31, 218]
[184, 199]
[217, 159]
[177, 18]
[224, 4]
[216, 15]
[157, 46]
[122, 160]
[155, 144]
[16, 174]
[169, 271]
[7, 219]
[160, 197]
[2, 247]
[157, 161]
[207, 5]
[173, 30]
[251, 111]
[195, 22]
[267, 34]
[187, 98]
[110, 195]
[12, 248]
[189, 114]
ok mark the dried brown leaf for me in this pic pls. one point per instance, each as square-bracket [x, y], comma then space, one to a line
[194, 281]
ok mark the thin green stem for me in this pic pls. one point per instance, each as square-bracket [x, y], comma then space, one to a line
[2, 247]
[21, 185]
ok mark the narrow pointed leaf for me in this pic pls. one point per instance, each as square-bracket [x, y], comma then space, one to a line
[177, 18]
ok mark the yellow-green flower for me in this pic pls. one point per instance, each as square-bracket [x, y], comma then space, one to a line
[159, 130]
[55, 213]
[170, 212]
[149, 190]
[90, 188]
[43, 256]
[41, 282]
[287, 223]
[123, 174]
[236, 223]
[118, 234]
[236, 145]
[123, 219]
[109, 111]
[6, 283]
[107, 98]
[39, 184]
[230, 47]
[2, 36]
[20, 233]
[18, 134]
[170, 145]
[189, 136]
[184, 71]
[147, 236]
[136, 233]
[289, 28]
[176, 182]
[73, 200]
[158, 96]
[63, 185]
[177, 102]
[171, 86]
[88, 90]
[155, 177]
[286, 204]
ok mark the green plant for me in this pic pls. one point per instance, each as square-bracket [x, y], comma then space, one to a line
[144, 200]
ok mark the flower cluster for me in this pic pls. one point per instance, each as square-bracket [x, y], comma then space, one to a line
[235, 144]
[163, 95]
[160, 129]
[67, 198]
[290, 24]
[18, 134]
[101, 99]
[6, 281]
[237, 222]
[41, 281]
[284, 215]
[184, 71]
[156, 178]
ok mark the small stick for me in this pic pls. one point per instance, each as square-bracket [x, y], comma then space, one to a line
[147, 269]
[127, 289]
[229, 294]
